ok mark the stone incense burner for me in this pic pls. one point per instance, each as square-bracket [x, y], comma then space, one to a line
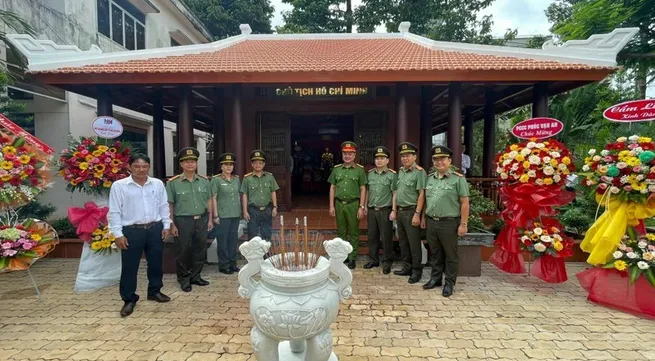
[293, 310]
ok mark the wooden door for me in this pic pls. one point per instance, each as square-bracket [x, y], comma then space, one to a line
[274, 138]
[370, 131]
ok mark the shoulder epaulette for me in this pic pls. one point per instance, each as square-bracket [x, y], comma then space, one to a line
[392, 171]
[247, 175]
[431, 174]
[338, 165]
[202, 176]
[268, 173]
[173, 178]
[458, 174]
[419, 167]
[216, 175]
[359, 165]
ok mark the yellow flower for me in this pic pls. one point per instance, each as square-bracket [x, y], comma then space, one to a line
[112, 150]
[633, 161]
[99, 167]
[620, 265]
[103, 148]
[6, 165]
[106, 184]
[519, 158]
[24, 159]
[526, 164]
[98, 175]
[644, 140]
[558, 246]
[74, 182]
[115, 162]
[8, 149]
[97, 231]
[76, 154]
[88, 158]
[96, 153]
[548, 181]
[602, 169]
[114, 170]
[513, 147]
[84, 166]
[650, 236]
[36, 237]
[95, 246]
[524, 178]
[566, 160]
[553, 162]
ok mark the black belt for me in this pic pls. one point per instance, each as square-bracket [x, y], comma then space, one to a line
[347, 201]
[258, 207]
[437, 219]
[380, 208]
[408, 208]
[143, 226]
[194, 217]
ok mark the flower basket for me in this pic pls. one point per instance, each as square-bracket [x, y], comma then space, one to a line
[24, 242]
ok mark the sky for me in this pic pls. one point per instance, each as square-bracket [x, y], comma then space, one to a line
[526, 15]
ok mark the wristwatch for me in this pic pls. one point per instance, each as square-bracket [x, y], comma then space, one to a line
[417, 212]
[362, 207]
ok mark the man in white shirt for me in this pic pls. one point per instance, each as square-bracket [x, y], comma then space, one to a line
[466, 161]
[139, 218]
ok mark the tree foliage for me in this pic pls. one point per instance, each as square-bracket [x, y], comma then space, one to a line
[314, 16]
[223, 17]
[10, 108]
[578, 19]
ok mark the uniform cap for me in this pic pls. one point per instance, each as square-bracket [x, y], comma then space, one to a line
[348, 146]
[188, 153]
[382, 151]
[407, 147]
[257, 154]
[226, 158]
[439, 151]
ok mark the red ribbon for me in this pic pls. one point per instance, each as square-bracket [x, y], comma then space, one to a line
[523, 204]
[87, 219]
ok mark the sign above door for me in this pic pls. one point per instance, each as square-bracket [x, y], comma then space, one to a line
[322, 91]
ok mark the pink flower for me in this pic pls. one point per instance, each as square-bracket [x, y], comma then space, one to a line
[651, 247]
[10, 156]
[28, 245]
[602, 186]
[628, 249]
[3, 172]
[65, 151]
[107, 160]
[627, 188]
[9, 253]
[608, 159]
[84, 152]
[6, 245]
[636, 169]
[95, 160]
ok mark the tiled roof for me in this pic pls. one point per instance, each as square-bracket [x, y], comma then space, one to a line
[323, 55]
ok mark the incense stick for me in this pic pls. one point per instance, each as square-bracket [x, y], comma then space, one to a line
[296, 246]
[283, 250]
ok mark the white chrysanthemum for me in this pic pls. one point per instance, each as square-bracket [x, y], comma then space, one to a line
[617, 254]
[499, 170]
[539, 247]
[532, 173]
[624, 179]
[540, 146]
[585, 168]
[643, 265]
[538, 231]
[534, 159]
[515, 166]
[633, 138]
[531, 145]
[547, 159]
[596, 158]
[640, 177]
[562, 166]
[539, 182]
[632, 255]
[525, 151]
[557, 178]
[557, 237]
[524, 238]
[503, 175]
[651, 188]
[555, 154]
[592, 151]
[622, 139]
[549, 170]
[513, 154]
[506, 162]
[546, 239]
[614, 190]
[622, 247]
[644, 191]
[642, 244]
[604, 152]
[114, 246]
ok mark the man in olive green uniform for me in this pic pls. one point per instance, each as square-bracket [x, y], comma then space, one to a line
[189, 198]
[347, 197]
[410, 199]
[259, 200]
[446, 217]
[381, 203]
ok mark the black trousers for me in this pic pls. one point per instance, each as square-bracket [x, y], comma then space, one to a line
[409, 237]
[380, 228]
[443, 240]
[226, 240]
[261, 222]
[190, 247]
[140, 240]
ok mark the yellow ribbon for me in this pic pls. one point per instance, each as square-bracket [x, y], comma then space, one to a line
[604, 236]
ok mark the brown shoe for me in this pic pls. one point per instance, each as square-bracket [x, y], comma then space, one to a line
[159, 297]
[127, 309]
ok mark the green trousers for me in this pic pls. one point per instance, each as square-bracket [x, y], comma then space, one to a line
[348, 224]
[444, 257]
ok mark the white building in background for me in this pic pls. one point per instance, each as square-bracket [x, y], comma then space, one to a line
[112, 25]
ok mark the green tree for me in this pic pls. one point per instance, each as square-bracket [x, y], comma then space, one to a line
[10, 108]
[316, 16]
[223, 17]
[445, 20]
[578, 19]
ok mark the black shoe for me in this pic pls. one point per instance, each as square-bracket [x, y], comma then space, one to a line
[128, 307]
[227, 271]
[200, 282]
[371, 265]
[352, 264]
[432, 283]
[403, 272]
[235, 269]
[186, 288]
[159, 297]
[447, 290]
[414, 278]
[386, 270]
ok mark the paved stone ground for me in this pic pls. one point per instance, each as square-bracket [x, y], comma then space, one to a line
[496, 316]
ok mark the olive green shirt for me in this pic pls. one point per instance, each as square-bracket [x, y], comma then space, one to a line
[380, 187]
[442, 194]
[188, 198]
[259, 188]
[410, 181]
[347, 181]
[228, 200]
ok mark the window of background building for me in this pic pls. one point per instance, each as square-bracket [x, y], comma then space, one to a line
[123, 23]
[137, 138]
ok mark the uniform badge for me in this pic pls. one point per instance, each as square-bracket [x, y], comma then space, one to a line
[256, 154]
[437, 150]
[189, 152]
[379, 150]
[228, 157]
[404, 146]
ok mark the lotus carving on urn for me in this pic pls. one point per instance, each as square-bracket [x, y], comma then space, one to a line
[293, 306]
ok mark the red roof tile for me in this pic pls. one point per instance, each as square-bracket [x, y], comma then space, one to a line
[323, 55]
